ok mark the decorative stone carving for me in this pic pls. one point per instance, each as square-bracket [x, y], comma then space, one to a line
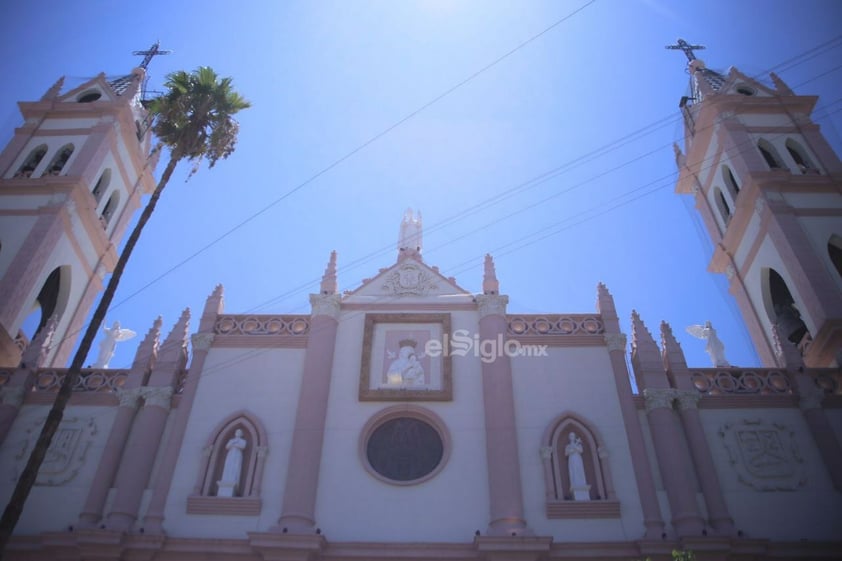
[658, 398]
[67, 452]
[730, 271]
[546, 452]
[324, 305]
[129, 398]
[201, 341]
[687, 399]
[160, 396]
[229, 481]
[764, 455]
[579, 486]
[491, 304]
[12, 395]
[615, 341]
[410, 278]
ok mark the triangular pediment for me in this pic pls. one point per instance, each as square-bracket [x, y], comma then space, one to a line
[98, 85]
[739, 83]
[409, 281]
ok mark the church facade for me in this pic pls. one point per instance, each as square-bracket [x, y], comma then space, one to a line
[408, 418]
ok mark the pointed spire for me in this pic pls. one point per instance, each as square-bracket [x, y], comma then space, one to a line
[148, 348]
[328, 285]
[35, 354]
[174, 348]
[670, 347]
[54, 90]
[490, 284]
[607, 310]
[646, 357]
[780, 85]
[214, 306]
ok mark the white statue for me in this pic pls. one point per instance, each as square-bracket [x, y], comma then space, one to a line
[406, 369]
[232, 466]
[576, 468]
[410, 239]
[106, 347]
[714, 348]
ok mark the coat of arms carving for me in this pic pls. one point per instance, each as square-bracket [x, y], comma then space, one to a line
[764, 455]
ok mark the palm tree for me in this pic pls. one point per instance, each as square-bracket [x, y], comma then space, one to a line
[194, 119]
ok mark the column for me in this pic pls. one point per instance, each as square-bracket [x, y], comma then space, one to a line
[299, 504]
[505, 493]
[110, 459]
[136, 467]
[653, 520]
[688, 397]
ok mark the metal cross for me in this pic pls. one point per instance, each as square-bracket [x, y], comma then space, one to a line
[687, 48]
[147, 55]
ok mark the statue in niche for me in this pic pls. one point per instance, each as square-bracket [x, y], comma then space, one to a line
[406, 369]
[233, 465]
[576, 468]
[107, 346]
[714, 348]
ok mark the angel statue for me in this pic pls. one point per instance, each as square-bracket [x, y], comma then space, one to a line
[113, 336]
[714, 348]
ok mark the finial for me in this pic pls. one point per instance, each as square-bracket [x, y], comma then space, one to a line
[147, 348]
[670, 345]
[688, 49]
[780, 85]
[410, 240]
[214, 306]
[490, 284]
[329, 278]
[54, 90]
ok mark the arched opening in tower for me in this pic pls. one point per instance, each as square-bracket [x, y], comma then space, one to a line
[50, 300]
[786, 315]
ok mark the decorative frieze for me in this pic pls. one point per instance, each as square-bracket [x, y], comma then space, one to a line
[410, 279]
[129, 398]
[687, 399]
[12, 395]
[160, 396]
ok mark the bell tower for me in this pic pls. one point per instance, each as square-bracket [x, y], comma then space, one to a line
[769, 189]
[70, 180]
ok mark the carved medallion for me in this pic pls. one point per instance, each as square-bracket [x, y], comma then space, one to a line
[66, 454]
[410, 278]
[765, 455]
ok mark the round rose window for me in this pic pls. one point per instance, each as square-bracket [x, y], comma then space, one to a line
[404, 449]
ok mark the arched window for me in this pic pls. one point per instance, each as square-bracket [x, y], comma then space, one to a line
[32, 161]
[784, 312]
[59, 160]
[109, 209]
[232, 468]
[578, 482]
[51, 299]
[799, 156]
[730, 182]
[722, 205]
[834, 250]
[769, 154]
[101, 185]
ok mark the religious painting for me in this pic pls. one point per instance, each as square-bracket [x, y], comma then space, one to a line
[403, 358]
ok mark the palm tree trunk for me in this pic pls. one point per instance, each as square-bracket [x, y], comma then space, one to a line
[27, 479]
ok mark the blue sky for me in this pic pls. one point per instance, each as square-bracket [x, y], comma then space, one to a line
[326, 77]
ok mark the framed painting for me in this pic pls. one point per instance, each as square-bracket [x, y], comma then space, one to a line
[403, 359]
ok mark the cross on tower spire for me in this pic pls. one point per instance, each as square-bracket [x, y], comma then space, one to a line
[688, 49]
[148, 54]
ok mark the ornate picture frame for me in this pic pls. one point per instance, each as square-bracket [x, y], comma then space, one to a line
[395, 365]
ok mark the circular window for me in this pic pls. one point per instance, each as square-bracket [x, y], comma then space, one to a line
[88, 97]
[745, 90]
[404, 445]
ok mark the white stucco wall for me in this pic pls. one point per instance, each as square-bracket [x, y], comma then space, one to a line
[264, 382]
[353, 505]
